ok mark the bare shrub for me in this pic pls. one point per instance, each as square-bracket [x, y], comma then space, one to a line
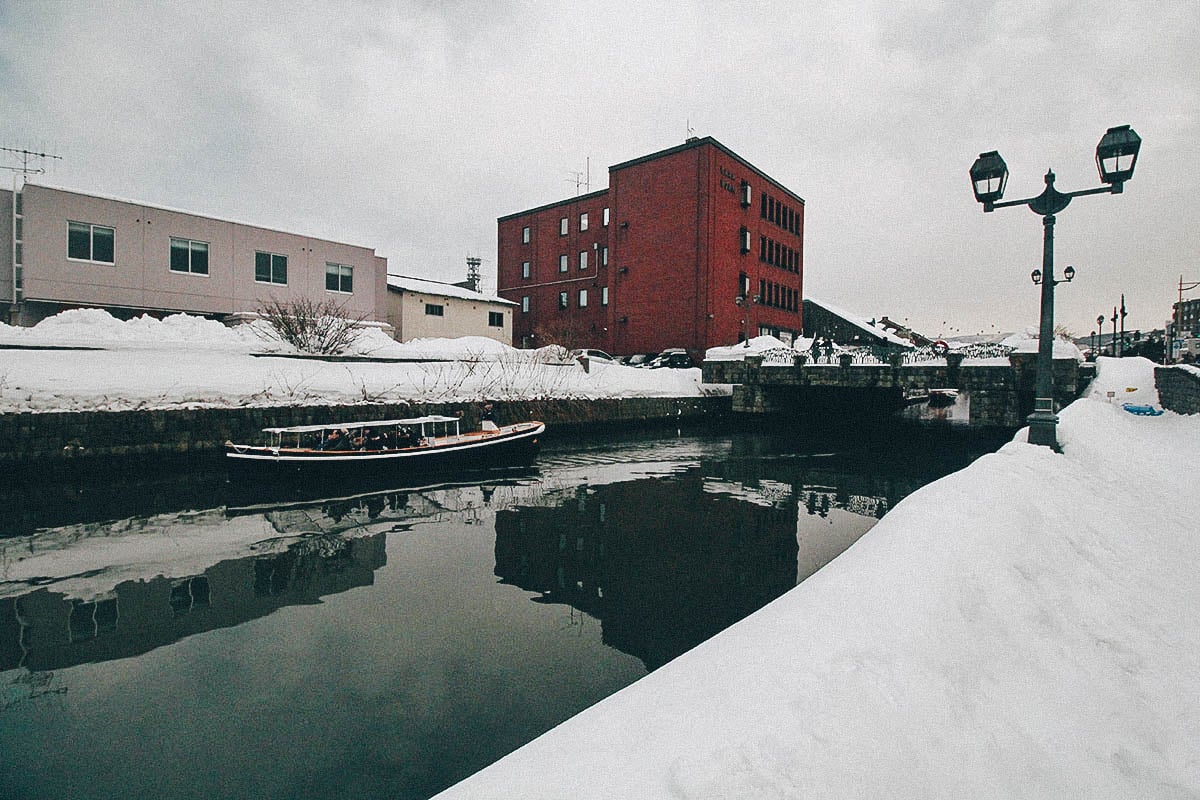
[312, 326]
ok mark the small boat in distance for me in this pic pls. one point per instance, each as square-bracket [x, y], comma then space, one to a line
[943, 397]
[424, 443]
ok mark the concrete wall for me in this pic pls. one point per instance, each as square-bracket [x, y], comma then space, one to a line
[141, 278]
[49, 438]
[1178, 389]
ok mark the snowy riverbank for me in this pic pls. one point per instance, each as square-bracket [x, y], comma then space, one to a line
[190, 362]
[1026, 627]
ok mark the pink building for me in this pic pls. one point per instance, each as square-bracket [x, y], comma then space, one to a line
[65, 249]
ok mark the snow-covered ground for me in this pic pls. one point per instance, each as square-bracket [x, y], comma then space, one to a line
[187, 361]
[1026, 627]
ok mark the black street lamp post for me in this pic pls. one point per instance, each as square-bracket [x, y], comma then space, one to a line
[1116, 155]
[1100, 325]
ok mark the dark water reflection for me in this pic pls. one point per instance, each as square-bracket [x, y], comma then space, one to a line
[390, 643]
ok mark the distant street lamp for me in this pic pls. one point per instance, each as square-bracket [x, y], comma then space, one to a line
[1114, 341]
[1093, 345]
[1100, 325]
[1116, 155]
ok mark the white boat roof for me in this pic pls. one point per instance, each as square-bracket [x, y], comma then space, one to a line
[375, 423]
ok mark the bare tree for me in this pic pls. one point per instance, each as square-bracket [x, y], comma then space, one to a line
[320, 327]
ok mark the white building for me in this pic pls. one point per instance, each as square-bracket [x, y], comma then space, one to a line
[418, 309]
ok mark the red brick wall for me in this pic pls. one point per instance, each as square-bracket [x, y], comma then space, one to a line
[675, 257]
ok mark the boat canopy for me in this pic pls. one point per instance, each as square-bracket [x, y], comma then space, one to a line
[384, 423]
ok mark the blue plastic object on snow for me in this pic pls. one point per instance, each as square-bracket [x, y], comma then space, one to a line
[1143, 411]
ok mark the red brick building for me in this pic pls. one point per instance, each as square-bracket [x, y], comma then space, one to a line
[689, 247]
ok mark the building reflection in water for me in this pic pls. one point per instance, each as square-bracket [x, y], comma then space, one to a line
[665, 563]
[46, 629]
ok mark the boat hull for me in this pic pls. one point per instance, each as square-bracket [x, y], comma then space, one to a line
[510, 445]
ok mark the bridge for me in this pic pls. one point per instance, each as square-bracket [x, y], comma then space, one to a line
[1000, 389]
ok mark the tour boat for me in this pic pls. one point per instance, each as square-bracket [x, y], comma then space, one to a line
[386, 445]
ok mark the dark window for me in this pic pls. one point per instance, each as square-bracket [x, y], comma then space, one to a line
[435, 310]
[339, 278]
[562, 300]
[86, 242]
[270, 268]
[496, 319]
[189, 256]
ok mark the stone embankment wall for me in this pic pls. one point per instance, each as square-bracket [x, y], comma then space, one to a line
[1001, 394]
[31, 438]
[1178, 389]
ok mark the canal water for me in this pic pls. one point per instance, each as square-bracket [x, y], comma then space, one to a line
[179, 636]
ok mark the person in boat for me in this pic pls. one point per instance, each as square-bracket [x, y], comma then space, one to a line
[487, 419]
[338, 439]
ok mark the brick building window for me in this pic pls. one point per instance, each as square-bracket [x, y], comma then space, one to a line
[525, 304]
[525, 269]
[583, 259]
[87, 242]
[603, 295]
[583, 222]
[562, 263]
[583, 298]
[562, 226]
[525, 235]
[562, 301]
[744, 238]
[604, 217]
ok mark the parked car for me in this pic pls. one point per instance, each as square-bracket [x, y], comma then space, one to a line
[594, 355]
[674, 358]
[638, 359]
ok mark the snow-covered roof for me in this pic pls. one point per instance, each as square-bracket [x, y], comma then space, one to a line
[406, 283]
[853, 319]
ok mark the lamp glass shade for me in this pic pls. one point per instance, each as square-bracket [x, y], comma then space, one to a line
[989, 174]
[1036, 276]
[1069, 274]
[1117, 154]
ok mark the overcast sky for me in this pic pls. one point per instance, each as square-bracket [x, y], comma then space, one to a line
[410, 127]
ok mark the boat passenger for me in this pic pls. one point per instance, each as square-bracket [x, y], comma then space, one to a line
[487, 419]
[338, 440]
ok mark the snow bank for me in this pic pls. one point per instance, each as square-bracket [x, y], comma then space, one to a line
[756, 346]
[1025, 627]
[1026, 341]
[186, 361]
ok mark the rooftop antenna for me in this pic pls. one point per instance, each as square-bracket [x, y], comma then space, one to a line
[473, 276]
[25, 155]
[691, 132]
[582, 179]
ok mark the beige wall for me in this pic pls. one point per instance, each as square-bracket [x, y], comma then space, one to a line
[141, 276]
[461, 317]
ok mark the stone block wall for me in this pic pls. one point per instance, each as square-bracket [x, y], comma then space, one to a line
[1178, 388]
[29, 438]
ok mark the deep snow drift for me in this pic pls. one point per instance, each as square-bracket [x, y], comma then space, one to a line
[1026, 627]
